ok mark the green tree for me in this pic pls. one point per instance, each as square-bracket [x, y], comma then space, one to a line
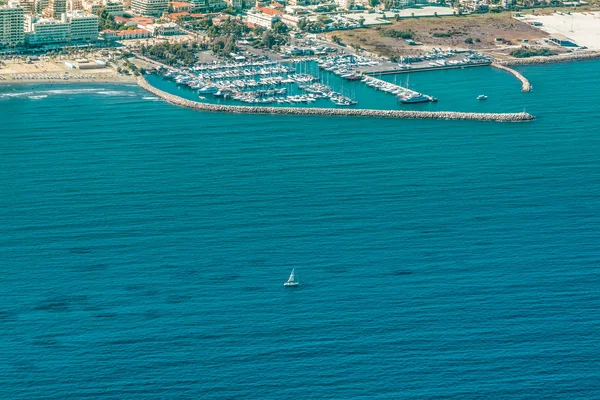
[279, 28]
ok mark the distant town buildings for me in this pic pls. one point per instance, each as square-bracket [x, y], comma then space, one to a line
[263, 16]
[150, 8]
[112, 35]
[114, 8]
[180, 6]
[55, 8]
[235, 4]
[163, 29]
[11, 25]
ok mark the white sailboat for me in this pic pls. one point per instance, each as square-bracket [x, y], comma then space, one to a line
[292, 281]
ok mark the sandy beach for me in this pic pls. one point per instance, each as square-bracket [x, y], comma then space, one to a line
[17, 71]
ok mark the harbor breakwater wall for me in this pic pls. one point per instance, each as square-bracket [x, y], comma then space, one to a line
[353, 112]
[580, 55]
[525, 84]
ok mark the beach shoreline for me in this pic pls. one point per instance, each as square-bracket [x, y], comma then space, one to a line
[111, 80]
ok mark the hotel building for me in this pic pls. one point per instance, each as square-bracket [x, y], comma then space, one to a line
[12, 25]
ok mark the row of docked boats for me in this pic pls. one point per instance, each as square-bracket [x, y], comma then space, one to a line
[346, 66]
[404, 95]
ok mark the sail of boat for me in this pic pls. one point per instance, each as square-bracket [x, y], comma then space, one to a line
[292, 279]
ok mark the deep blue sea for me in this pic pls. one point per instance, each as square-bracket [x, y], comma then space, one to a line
[144, 246]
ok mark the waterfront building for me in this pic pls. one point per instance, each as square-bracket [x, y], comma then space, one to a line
[74, 26]
[149, 8]
[55, 9]
[12, 32]
[84, 27]
[43, 31]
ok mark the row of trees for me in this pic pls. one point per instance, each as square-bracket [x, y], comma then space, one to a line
[171, 53]
[107, 21]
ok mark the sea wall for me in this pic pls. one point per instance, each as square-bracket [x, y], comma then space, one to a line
[447, 115]
[525, 85]
[578, 55]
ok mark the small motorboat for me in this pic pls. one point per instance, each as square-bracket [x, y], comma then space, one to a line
[482, 97]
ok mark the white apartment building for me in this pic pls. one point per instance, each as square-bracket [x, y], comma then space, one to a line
[216, 4]
[167, 29]
[12, 32]
[261, 19]
[149, 8]
[40, 5]
[114, 8]
[28, 6]
[83, 26]
[55, 8]
[235, 4]
[42, 31]
[75, 26]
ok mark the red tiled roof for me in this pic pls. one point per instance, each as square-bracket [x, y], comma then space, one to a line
[269, 11]
[127, 32]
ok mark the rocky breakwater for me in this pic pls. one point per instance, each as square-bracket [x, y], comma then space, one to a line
[448, 115]
[574, 56]
[525, 84]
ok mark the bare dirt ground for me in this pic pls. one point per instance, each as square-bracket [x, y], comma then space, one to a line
[482, 29]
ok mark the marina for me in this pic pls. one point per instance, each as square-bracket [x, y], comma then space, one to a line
[306, 81]
[314, 111]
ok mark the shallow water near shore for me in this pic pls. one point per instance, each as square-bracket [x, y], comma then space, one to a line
[145, 246]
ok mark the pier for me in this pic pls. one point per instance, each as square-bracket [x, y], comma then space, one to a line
[394, 69]
[444, 115]
[525, 84]
[393, 88]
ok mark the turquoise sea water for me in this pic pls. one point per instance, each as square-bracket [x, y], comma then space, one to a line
[144, 247]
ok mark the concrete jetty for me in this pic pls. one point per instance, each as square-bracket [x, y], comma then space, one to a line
[580, 55]
[525, 84]
[446, 115]
[393, 68]
[388, 87]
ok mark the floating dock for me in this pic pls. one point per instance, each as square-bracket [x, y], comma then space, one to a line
[393, 88]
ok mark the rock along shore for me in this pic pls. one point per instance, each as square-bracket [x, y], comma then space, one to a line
[447, 115]
[525, 84]
[580, 55]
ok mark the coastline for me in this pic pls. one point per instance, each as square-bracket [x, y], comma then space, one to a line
[103, 78]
